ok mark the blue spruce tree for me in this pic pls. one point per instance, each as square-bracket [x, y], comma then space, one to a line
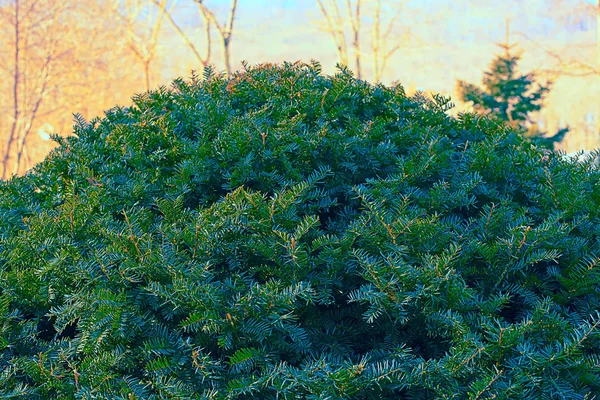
[511, 97]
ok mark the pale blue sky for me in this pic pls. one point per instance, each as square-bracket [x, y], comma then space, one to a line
[477, 21]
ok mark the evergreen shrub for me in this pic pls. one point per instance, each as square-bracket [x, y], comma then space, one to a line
[285, 234]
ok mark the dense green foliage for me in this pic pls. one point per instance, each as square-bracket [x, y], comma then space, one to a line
[284, 234]
[511, 97]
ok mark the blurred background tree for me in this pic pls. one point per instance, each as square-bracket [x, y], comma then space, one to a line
[510, 96]
[57, 57]
[143, 24]
[383, 19]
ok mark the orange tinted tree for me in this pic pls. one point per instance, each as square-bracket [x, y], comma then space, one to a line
[32, 38]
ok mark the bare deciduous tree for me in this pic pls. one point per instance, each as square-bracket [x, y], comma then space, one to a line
[225, 31]
[569, 65]
[355, 22]
[209, 19]
[380, 51]
[207, 25]
[335, 27]
[35, 53]
[143, 44]
[381, 54]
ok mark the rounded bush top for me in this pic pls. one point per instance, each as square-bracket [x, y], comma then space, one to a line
[287, 234]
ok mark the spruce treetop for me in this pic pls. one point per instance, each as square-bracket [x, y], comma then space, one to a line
[510, 96]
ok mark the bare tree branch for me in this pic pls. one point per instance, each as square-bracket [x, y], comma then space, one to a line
[27, 129]
[379, 45]
[375, 44]
[379, 40]
[16, 82]
[231, 17]
[35, 25]
[335, 29]
[355, 21]
[203, 60]
[144, 49]
[392, 21]
[568, 67]
[225, 32]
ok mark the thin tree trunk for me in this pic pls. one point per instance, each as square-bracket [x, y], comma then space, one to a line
[340, 32]
[36, 107]
[376, 44]
[507, 36]
[356, 35]
[225, 45]
[379, 44]
[27, 158]
[186, 39]
[227, 38]
[145, 51]
[16, 109]
[336, 30]
[225, 32]
[147, 73]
